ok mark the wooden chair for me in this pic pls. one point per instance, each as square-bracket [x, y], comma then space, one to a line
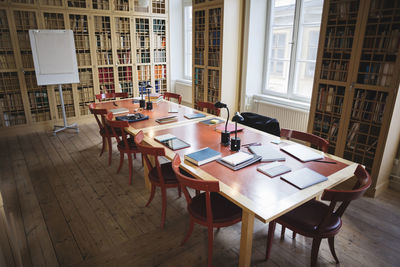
[168, 96]
[209, 106]
[125, 144]
[318, 220]
[209, 208]
[108, 96]
[160, 175]
[105, 130]
[320, 142]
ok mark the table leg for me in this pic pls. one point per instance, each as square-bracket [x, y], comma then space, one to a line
[246, 238]
[147, 183]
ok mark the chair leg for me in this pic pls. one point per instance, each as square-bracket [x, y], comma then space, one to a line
[164, 206]
[130, 167]
[210, 245]
[121, 161]
[331, 241]
[109, 141]
[179, 191]
[314, 251]
[293, 235]
[152, 193]
[271, 231]
[103, 146]
[189, 232]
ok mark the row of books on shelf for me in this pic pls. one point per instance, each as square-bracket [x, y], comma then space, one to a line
[124, 41]
[86, 94]
[213, 59]
[213, 79]
[339, 39]
[83, 59]
[143, 41]
[103, 40]
[333, 70]
[82, 42]
[67, 95]
[386, 41]
[343, 9]
[376, 74]
[104, 58]
[360, 145]
[79, 23]
[198, 74]
[11, 102]
[326, 127]
[160, 71]
[124, 57]
[214, 38]
[159, 41]
[106, 75]
[329, 101]
[43, 115]
[11, 119]
[7, 61]
[199, 57]
[143, 57]
[122, 25]
[369, 106]
[38, 100]
[121, 5]
[160, 55]
[85, 77]
[144, 73]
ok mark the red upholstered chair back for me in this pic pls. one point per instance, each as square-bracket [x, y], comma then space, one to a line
[150, 151]
[188, 182]
[106, 96]
[209, 106]
[99, 115]
[320, 142]
[115, 125]
[168, 96]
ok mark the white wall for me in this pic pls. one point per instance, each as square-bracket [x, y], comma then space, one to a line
[253, 51]
[175, 41]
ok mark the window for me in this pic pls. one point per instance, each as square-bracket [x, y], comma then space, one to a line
[291, 48]
[187, 39]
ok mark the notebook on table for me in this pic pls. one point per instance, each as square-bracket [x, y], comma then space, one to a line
[167, 119]
[273, 169]
[303, 178]
[302, 153]
[194, 115]
[267, 153]
[239, 160]
[171, 141]
[119, 110]
[203, 156]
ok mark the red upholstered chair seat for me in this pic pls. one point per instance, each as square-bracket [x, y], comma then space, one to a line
[168, 173]
[222, 209]
[309, 216]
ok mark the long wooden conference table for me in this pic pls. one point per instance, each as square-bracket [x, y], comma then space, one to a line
[258, 195]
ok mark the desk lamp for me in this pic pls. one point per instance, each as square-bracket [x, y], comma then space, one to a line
[149, 104]
[225, 134]
[142, 102]
[235, 141]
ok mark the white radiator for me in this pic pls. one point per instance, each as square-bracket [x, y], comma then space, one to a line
[288, 117]
[185, 90]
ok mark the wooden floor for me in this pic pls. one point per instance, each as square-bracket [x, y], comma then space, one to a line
[63, 206]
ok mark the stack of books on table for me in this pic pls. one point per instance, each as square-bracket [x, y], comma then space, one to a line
[154, 97]
[239, 160]
[202, 156]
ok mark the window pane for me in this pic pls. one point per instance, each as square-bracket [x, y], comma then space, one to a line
[279, 52]
[307, 47]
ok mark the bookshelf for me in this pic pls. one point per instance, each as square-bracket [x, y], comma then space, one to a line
[356, 82]
[207, 50]
[120, 46]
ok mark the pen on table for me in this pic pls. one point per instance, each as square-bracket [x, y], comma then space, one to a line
[252, 144]
[325, 161]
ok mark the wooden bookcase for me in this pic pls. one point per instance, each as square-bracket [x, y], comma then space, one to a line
[355, 96]
[207, 50]
[119, 44]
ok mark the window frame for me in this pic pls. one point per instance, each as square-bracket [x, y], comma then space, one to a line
[295, 43]
[187, 59]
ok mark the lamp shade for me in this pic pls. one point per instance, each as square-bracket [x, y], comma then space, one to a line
[219, 104]
[237, 117]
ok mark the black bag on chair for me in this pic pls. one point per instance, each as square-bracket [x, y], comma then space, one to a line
[262, 123]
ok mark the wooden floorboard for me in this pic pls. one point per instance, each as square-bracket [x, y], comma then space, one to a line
[69, 208]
